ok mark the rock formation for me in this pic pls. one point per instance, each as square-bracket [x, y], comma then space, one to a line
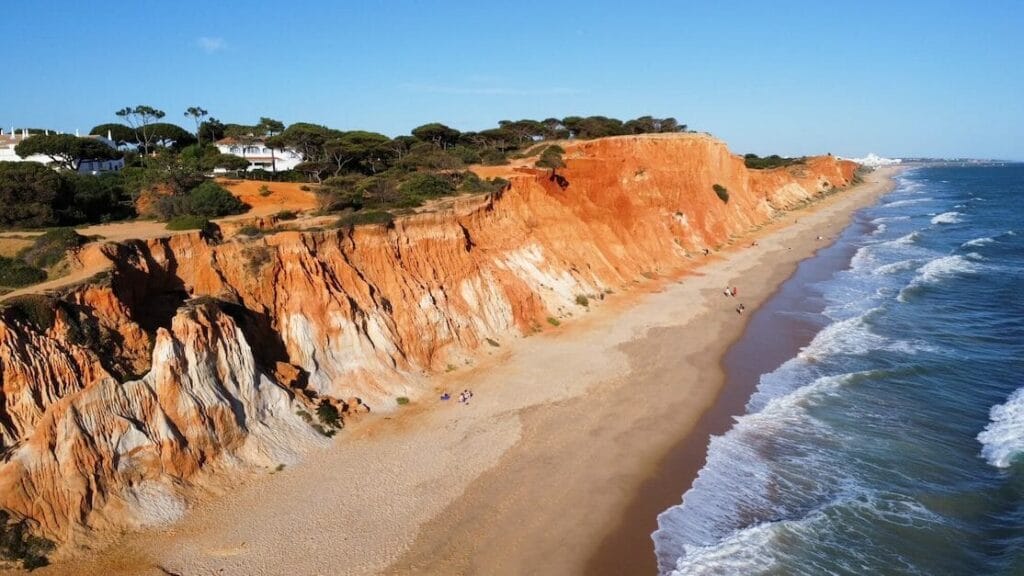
[193, 357]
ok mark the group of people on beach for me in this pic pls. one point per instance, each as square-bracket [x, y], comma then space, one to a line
[732, 292]
[464, 396]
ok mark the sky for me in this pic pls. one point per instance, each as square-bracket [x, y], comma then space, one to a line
[912, 78]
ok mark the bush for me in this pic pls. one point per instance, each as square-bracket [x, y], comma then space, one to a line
[473, 184]
[210, 200]
[250, 230]
[493, 157]
[582, 300]
[424, 185]
[17, 543]
[36, 309]
[402, 400]
[97, 198]
[265, 191]
[722, 193]
[17, 273]
[328, 414]
[365, 217]
[286, 215]
[188, 222]
[28, 193]
[492, 342]
[553, 321]
[755, 162]
[51, 247]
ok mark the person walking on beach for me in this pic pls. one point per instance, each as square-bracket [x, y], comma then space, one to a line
[734, 291]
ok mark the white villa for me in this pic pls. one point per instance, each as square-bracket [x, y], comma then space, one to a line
[9, 140]
[260, 157]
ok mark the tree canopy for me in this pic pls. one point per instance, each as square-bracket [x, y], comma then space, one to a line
[66, 150]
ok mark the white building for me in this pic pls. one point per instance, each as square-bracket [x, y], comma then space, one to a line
[260, 157]
[9, 140]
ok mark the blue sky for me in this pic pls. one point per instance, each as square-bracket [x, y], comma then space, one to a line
[898, 78]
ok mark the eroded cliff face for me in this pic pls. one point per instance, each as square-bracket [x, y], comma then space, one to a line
[192, 358]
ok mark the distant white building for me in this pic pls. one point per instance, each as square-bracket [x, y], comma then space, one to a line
[9, 140]
[260, 157]
[873, 160]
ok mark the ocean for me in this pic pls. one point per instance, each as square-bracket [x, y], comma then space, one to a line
[892, 440]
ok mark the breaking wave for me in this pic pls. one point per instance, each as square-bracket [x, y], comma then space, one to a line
[947, 218]
[1003, 439]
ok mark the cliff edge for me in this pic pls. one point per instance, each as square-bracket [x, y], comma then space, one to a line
[194, 357]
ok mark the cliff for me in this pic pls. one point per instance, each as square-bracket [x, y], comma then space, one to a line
[192, 357]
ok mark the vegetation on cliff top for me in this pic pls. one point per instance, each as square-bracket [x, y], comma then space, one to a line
[755, 162]
[168, 167]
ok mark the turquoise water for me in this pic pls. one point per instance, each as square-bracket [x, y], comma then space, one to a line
[893, 443]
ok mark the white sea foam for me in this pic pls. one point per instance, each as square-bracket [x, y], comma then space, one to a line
[908, 202]
[978, 242]
[896, 267]
[889, 219]
[1003, 439]
[945, 267]
[880, 229]
[946, 218]
[940, 269]
[907, 239]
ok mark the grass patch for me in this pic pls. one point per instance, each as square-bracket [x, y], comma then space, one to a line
[553, 321]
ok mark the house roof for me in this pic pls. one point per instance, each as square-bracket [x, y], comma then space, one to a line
[232, 140]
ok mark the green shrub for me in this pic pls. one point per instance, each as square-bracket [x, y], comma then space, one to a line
[18, 544]
[16, 273]
[328, 414]
[305, 188]
[50, 248]
[210, 200]
[493, 157]
[492, 342]
[473, 184]
[285, 215]
[755, 162]
[265, 191]
[365, 217]
[553, 321]
[36, 309]
[188, 222]
[425, 185]
[722, 193]
[250, 230]
[582, 300]
[402, 400]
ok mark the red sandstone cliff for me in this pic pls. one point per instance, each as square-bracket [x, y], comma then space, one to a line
[192, 358]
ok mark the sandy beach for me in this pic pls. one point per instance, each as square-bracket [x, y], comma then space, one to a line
[559, 464]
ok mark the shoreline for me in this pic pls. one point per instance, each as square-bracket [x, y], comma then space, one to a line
[565, 430]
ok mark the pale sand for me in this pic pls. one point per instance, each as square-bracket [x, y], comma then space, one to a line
[564, 430]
